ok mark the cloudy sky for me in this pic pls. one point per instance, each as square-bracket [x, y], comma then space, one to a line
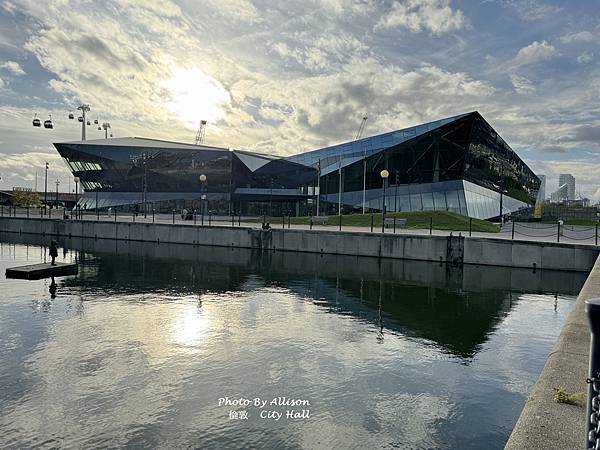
[283, 77]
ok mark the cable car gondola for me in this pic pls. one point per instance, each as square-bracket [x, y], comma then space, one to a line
[48, 123]
[80, 119]
[36, 122]
[96, 122]
[99, 128]
[71, 115]
[88, 122]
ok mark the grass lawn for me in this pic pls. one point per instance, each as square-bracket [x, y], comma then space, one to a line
[442, 220]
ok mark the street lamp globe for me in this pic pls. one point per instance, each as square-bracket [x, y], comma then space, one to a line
[76, 179]
[202, 178]
[384, 174]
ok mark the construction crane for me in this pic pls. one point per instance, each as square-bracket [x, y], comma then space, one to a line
[200, 133]
[361, 128]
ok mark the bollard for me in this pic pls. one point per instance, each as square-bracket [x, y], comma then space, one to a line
[209, 219]
[240, 220]
[283, 222]
[592, 431]
[173, 217]
[28, 212]
[97, 214]
[394, 224]
[310, 223]
[340, 222]
[194, 217]
[152, 215]
[372, 219]
[202, 219]
[430, 225]
[289, 222]
[134, 217]
[470, 226]
[115, 215]
[513, 231]
[558, 232]
[50, 214]
[41, 212]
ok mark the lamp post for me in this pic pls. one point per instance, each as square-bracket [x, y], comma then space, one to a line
[76, 180]
[56, 201]
[46, 188]
[145, 185]
[384, 175]
[202, 179]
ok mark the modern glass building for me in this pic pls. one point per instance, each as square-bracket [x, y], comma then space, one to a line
[137, 173]
[456, 164]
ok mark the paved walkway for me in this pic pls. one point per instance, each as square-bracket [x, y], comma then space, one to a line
[572, 234]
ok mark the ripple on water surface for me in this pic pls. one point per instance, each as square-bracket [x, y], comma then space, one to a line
[136, 351]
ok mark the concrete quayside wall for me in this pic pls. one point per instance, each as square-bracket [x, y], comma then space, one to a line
[452, 249]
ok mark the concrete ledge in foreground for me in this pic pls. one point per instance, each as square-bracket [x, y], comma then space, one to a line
[545, 424]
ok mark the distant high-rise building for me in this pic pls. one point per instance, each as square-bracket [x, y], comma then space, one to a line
[569, 180]
[542, 191]
[560, 195]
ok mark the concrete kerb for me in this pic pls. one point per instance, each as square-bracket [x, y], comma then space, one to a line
[544, 423]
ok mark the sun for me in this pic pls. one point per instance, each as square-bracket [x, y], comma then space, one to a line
[195, 96]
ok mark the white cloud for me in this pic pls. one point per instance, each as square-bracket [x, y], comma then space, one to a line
[435, 16]
[236, 10]
[582, 36]
[13, 67]
[532, 9]
[585, 57]
[534, 53]
[339, 7]
[2, 83]
[522, 84]
[9, 7]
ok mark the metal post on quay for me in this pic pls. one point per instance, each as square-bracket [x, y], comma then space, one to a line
[592, 429]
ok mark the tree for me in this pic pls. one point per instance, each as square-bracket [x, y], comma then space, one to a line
[26, 198]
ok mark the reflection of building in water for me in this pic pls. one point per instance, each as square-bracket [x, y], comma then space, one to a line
[455, 309]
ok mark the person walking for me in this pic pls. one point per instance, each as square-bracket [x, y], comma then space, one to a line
[53, 252]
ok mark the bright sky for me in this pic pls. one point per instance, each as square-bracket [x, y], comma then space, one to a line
[283, 77]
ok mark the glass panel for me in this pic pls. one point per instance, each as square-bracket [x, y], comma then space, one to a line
[415, 202]
[452, 201]
[427, 201]
[404, 203]
[439, 200]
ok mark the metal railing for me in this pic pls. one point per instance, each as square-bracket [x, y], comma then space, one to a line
[557, 232]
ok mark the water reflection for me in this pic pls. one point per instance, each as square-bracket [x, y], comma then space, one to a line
[454, 308]
[136, 348]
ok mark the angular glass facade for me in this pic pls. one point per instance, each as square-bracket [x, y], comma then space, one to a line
[459, 164]
[456, 164]
[134, 171]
